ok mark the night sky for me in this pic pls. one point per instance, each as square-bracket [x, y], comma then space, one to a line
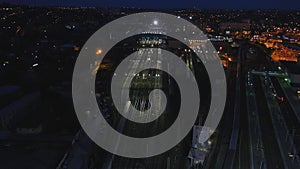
[206, 4]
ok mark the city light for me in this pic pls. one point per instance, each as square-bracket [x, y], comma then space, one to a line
[259, 51]
[99, 52]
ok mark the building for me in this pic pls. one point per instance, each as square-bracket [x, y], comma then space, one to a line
[285, 53]
[293, 69]
[198, 151]
[235, 26]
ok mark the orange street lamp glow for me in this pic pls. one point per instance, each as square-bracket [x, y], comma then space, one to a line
[99, 51]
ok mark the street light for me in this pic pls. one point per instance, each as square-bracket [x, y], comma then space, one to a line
[293, 155]
[99, 52]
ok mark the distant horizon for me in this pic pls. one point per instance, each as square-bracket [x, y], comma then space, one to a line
[149, 8]
[279, 5]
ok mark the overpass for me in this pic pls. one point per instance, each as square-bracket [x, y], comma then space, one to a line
[269, 73]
